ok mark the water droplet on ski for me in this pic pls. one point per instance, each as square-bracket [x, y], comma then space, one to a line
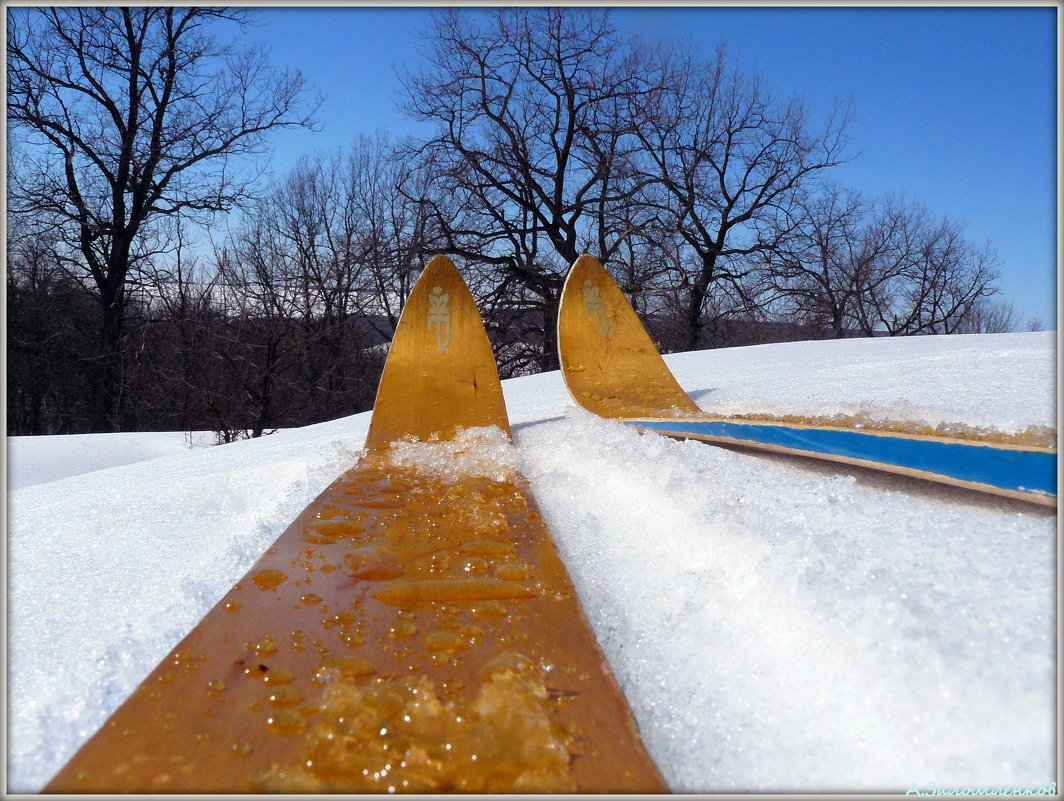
[269, 579]
[487, 610]
[350, 667]
[402, 628]
[372, 563]
[512, 572]
[286, 721]
[285, 695]
[444, 641]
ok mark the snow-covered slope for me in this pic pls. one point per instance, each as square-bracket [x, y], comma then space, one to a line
[776, 624]
[38, 460]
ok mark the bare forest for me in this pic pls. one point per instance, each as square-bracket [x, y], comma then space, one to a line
[156, 280]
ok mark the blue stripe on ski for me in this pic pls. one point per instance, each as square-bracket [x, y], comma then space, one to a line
[1032, 472]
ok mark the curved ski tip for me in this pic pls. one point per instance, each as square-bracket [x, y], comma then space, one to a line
[585, 268]
[440, 374]
[439, 267]
[586, 263]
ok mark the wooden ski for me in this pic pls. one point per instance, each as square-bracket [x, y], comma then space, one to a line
[413, 630]
[612, 368]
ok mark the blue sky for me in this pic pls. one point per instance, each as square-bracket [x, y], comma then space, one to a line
[954, 107]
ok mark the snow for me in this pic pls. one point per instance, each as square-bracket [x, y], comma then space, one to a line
[776, 624]
[987, 380]
[38, 460]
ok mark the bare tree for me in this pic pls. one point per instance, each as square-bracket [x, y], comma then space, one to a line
[314, 280]
[919, 276]
[260, 348]
[388, 194]
[881, 267]
[182, 319]
[988, 317]
[130, 115]
[731, 159]
[813, 270]
[531, 151]
[47, 316]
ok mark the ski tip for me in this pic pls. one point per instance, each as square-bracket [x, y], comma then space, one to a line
[440, 375]
[586, 266]
[440, 269]
[609, 363]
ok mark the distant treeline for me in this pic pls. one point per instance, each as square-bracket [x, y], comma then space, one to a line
[708, 198]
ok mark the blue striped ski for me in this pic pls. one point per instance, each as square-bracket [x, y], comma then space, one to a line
[612, 368]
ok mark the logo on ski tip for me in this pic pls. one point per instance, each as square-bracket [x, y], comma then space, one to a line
[440, 317]
[596, 308]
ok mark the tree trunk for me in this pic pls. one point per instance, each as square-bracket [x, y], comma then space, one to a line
[549, 358]
[107, 391]
[696, 298]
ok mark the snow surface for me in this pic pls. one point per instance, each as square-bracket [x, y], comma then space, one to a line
[777, 624]
[38, 460]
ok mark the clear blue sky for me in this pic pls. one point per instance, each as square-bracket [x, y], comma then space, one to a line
[955, 107]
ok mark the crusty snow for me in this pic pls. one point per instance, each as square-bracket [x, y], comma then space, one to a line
[777, 624]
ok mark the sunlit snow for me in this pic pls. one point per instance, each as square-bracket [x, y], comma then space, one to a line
[776, 624]
[38, 460]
